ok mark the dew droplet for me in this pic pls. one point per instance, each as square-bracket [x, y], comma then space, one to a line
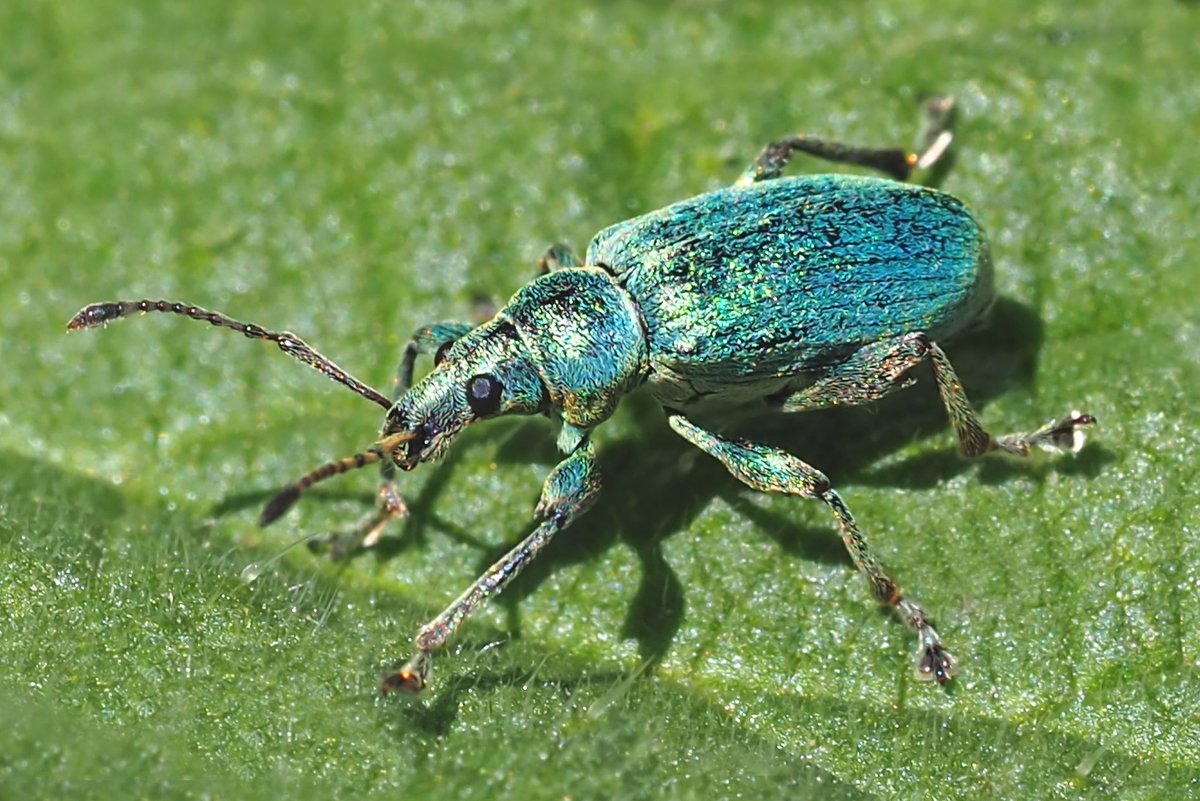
[251, 572]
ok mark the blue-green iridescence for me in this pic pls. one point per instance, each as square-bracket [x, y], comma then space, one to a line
[814, 291]
[746, 289]
[571, 340]
[584, 336]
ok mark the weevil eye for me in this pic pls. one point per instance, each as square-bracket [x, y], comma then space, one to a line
[483, 394]
[440, 355]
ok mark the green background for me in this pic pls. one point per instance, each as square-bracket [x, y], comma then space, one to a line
[348, 173]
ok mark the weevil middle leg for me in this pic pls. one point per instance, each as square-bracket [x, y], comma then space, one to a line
[770, 469]
[872, 372]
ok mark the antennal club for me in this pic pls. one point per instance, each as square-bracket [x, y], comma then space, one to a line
[98, 314]
[381, 450]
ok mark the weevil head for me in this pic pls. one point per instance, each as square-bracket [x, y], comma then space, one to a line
[569, 343]
[485, 374]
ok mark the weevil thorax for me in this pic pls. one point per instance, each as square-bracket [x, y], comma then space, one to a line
[587, 339]
[570, 342]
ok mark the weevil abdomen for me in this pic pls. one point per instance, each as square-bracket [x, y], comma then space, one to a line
[748, 287]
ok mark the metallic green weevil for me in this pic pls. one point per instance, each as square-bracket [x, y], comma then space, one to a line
[803, 292]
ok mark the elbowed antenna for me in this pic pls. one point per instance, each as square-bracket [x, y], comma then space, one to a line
[381, 450]
[97, 314]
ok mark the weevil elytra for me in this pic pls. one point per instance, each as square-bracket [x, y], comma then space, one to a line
[805, 292]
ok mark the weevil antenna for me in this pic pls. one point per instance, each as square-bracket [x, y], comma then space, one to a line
[381, 450]
[98, 314]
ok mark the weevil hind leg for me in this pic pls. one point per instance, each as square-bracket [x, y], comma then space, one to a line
[1066, 434]
[869, 374]
[770, 469]
[881, 368]
[898, 163]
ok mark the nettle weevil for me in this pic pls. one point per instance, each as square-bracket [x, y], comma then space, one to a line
[806, 292]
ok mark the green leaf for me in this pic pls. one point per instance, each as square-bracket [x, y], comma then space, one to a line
[350, 173]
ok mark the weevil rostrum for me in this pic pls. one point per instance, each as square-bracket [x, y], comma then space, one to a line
[804, 292]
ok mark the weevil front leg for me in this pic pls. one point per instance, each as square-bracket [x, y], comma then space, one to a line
[557, 257]
[436, 339]
[769, 469]
[389, 506]
[882, 367]
[895, 162]
[569, 490]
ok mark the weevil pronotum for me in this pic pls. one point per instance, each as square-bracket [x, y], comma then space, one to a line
[803, 292]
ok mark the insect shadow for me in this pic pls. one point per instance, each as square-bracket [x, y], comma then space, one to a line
[640, 471]
[38, 494]
[436, 717]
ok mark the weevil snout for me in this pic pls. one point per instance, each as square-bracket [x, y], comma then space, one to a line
[427, 418]
[417, 438]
